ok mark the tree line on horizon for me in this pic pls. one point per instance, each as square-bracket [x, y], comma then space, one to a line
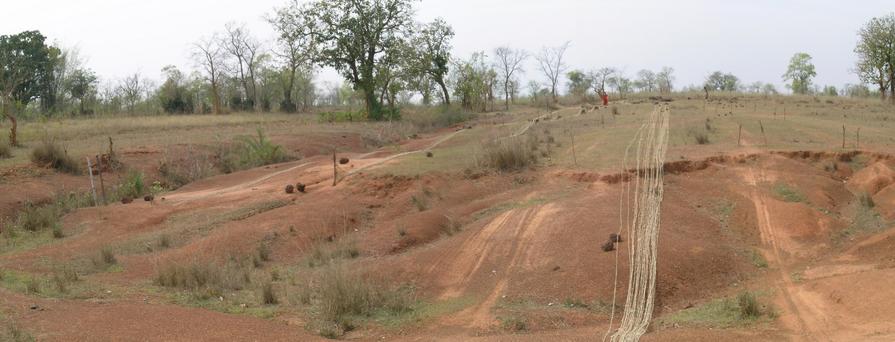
[386, 58]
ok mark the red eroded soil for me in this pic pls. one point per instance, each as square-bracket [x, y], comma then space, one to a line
[491, 241]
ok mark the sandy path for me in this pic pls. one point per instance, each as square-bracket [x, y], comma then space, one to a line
[804, 311]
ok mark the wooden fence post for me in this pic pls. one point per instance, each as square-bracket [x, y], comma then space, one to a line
[843, 137]
[335, 170]
[740, 136]
[92, 186]
[102, 185]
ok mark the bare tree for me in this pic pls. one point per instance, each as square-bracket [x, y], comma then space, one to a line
[240, 44]
[131, 90]
[665, 80]
[209, 54]
[509, 61]
[601, 77]
[552, 66]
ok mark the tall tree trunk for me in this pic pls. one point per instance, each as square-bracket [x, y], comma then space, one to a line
[506, 94]
[444, 91]
[13, 137]
[215, 98]
[370, 102]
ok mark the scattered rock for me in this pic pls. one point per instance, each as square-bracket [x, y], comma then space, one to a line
[609, 246]
[290, 189]
[556, 268]
[35, 307]
[149, 198]
[126, 200]
[300, 187]
[429, 154]
[615, 237]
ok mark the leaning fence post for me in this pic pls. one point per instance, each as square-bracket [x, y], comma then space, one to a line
[843, 137]
[740, 136]
[92, 186]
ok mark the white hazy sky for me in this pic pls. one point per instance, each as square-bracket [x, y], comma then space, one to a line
[752, 39]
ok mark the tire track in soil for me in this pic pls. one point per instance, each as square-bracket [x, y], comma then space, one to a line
[506, 241]
[811, 320]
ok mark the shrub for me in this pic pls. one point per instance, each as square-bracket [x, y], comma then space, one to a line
[105, 259]
[700, 136]
[248, 152]
[132, 186]
[204, 278]
[35, 218]
[32, 285]
[51, 154]
[5, 150]
[514, 323]
[512, 154]
[264, 252]
[343, 297]
[867, 200]
[749, 307]
[267, 295]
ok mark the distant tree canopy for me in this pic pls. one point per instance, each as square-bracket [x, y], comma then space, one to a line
[799, 73]
[719, 81]
[876, 54]
[26, 72]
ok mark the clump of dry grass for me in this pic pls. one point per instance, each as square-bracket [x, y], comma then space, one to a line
[512, 154]
[52, 154]
[205, 279]
[343, 298]
[5, 150]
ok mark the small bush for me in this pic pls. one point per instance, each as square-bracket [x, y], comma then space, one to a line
[514, 323]
[5, 150]
[132, 186]
[51, 154]
[264, 252]
[57, 231]
[419, 203]
[205, 279]
[105, 259]
[248, 152]
[749, 307]
[512, 154]
[35, 218]
[867, 200]
[13, 333]
[788, 194]
[700, 136]
[32, 285]
[267, 295]
[323, 254]
[343, 297]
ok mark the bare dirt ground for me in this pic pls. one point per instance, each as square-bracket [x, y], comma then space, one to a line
[491, 256]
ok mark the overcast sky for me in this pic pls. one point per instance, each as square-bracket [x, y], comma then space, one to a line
[751, 39]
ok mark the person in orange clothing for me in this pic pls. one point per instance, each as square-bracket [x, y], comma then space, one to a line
[605, 97]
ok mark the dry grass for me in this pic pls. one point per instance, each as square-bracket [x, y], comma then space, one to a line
[512, 154]
[49, 153]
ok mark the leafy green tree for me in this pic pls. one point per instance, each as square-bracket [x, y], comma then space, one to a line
[799, 73]
[352, 36]
[294, 49]
[473, 82]
[720, 81]
[579, 83]
[433, 45]
[81, 84]
[876, 54]
[173, 95]
[25, 72]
